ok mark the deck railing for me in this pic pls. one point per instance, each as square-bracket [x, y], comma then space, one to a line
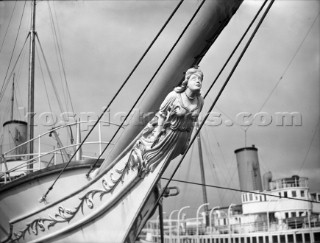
[275, 227]
[258, 230]
[13, 166]
[289, 183]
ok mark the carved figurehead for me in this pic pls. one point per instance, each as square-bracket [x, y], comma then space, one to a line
[168, 134]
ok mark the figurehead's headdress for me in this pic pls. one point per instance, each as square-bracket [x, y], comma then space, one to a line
[189, 72]
[193, 70]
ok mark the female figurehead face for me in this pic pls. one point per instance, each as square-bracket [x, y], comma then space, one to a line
[192, 80]
[195, 82]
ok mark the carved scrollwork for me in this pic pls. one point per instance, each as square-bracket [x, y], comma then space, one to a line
[65, 215]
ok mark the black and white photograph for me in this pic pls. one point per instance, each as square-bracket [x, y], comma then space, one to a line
[160, 121]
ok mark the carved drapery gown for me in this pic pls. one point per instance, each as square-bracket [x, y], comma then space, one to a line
[174, 137]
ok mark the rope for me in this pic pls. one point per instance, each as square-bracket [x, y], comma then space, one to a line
[14, 47]
[311, 142]
[164, 60]
[287, 67]
[61, 59]
[215, 101]
[236, 47]
[238, 190]
[6, 83]
[184, 192]
[232, 53]
[113, 98]
[44, 83]
[58, 49]
[215, 176]
[5, 35]
[18, 73]
[50, 76]
[290, 62]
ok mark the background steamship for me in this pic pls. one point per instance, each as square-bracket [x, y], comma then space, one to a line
[65, 181]
[272, 210]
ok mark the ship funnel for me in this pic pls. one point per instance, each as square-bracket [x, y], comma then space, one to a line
[14, 134]
[267, 177]
[248, 168]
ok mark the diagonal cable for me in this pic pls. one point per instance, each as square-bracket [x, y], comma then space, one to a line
[141, 94]
[50, 75]
[311, 142]
[214, 103]
[14, 47]
[5, 83]
[235, 49]
[245, 191]
[114, 97]
[287, 67]
[5, 35]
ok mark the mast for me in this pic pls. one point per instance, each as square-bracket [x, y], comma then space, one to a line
[203, 178]
[12, 100]
[30, 114]
[201, 34]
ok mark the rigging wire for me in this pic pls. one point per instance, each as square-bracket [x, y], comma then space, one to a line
[221, 152]
[148, 84]
[226, 168]
[238, 190]
[1, 139]
[230, 176]
[67, 83]
[56, 49]
[17, 103]
[214, 103]
[5, 84]
[211, 162]
[290, 62]
[8, 79]
[236, 47]
[66, 93]
[18, 75]
[281, 77]
[50, 76]
[231, 55]
[313, 136]
[288, 66]
[5, 34]
[114, 97]
[7, 111]
[59, 48]
[264, 166]
[44, 83]
[183, 192]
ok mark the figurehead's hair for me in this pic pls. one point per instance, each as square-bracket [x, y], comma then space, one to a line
[189, 72]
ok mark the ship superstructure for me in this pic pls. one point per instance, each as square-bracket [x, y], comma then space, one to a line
[285, 211]
[56, 194]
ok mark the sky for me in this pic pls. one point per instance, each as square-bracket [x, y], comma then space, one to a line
[101, 41]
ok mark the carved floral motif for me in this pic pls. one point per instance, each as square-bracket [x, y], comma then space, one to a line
[65, 215]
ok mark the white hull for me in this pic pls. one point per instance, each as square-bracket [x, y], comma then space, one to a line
[79, 210]
[22, 197]
[103, 210]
